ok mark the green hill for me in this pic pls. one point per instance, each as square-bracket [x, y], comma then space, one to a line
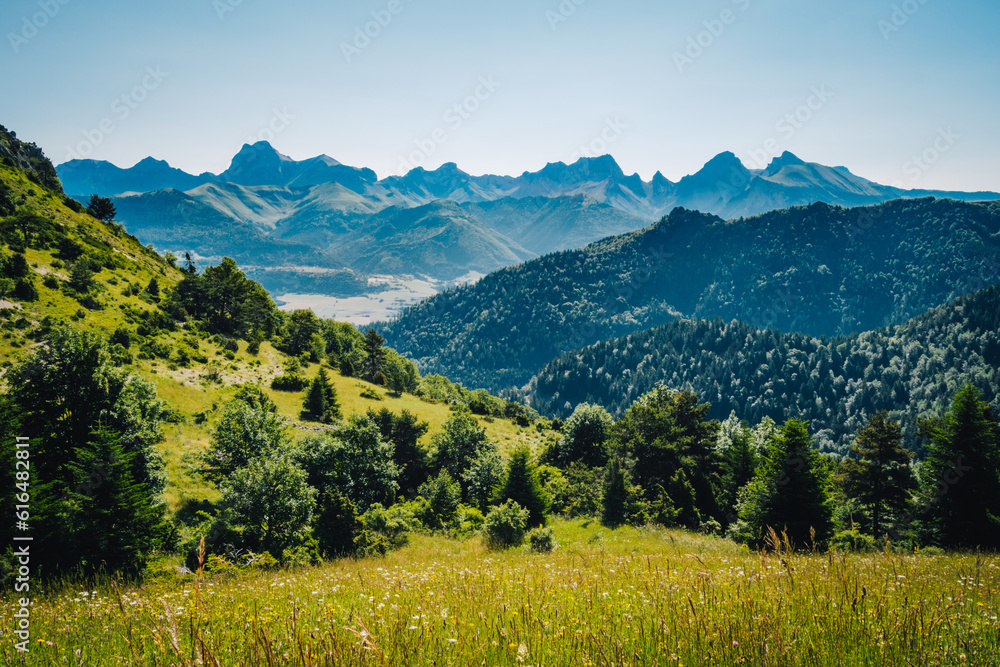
[821, 270]
[911, 370]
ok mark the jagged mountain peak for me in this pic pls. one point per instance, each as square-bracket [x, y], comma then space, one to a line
[780, 162]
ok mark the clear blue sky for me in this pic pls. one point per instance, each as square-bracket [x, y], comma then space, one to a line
[224, 67]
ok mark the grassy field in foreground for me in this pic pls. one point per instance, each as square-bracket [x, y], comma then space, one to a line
[624, 597]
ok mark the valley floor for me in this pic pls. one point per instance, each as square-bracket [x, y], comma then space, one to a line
[623, 597]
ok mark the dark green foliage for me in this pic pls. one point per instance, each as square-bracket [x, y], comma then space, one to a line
[961, 475]
[880, 478]
[101, 208]
[336, 523]
[404, 432]
[64, 393]
[541, 540]
[583, 492]
[15, 266]
[248, 430]
[7, 205]
[355, 459]
[304, 335]
[321, 400]
[25, 290]
[790, 492]
[270, 498]
[114, 522]
[585, 436]
[614, 494]
[522, 486]
[834, 384]
[289, 382]
[226, 302]
[665, 431]
[740, 462]
[505, 525]
[153, 288]
[443, 495]
[81, 276]
[374, 357]
[458, 444]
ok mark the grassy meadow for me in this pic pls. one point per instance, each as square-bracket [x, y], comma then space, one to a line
[632, 596]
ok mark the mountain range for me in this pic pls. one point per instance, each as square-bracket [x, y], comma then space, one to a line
[268, 209]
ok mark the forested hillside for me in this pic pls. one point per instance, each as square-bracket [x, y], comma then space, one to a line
[821, 270]
[835, 384]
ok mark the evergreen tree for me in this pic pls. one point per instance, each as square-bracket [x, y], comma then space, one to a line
[153, 288]
[443, 495]
[114, 517]
[790, 491]
[404, 432]
[961, 475]
[880, 478]
[614, 496]
[336, 523]
[101, 208]
[374, 357]
[522, 486]
[740, 464]
[321, 400]
[665, 430]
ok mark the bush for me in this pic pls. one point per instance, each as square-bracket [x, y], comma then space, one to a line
[289, 382]
[852, 540]
[505, 526]
[541, 540]
[371, 393]
[25, 290]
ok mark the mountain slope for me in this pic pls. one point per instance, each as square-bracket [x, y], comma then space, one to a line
[835, 383]
[821, 270]
[439, 240]
[548, 224]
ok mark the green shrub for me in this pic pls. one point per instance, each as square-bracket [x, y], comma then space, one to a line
[505, 525]
[852, 540]
[541, 540]
[289, 382]
[369, 392]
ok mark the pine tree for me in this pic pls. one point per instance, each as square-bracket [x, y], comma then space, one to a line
[522, 486]
[336, 524]
[880, 478]
[961, 475]
[321, 400]
[790, 491]
[614, 498]
[115, 516]
[374, 357]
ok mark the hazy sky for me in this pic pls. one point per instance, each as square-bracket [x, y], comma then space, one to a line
[869, 84]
